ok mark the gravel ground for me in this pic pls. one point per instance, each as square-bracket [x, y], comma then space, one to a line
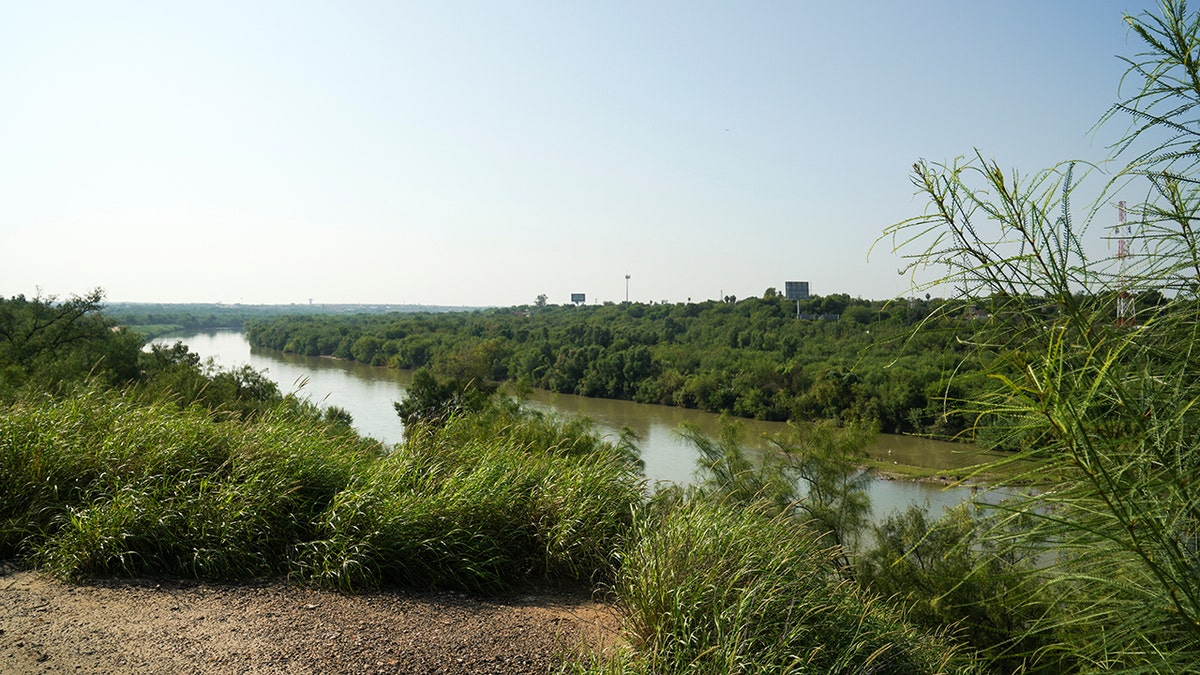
[159, 626]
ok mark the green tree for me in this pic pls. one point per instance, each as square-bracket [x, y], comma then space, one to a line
[365, 349]
[946, 574]
[827, 461]
[432, 401]
[46, 342]
[860, 314]
[813, 472]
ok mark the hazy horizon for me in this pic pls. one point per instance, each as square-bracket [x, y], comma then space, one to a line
[481, 154]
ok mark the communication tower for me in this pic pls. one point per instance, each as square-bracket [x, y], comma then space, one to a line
[1125, 308]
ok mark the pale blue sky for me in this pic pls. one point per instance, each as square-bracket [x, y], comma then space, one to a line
[481, 153]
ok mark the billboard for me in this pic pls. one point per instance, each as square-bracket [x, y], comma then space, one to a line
[578, 298]
[795, 290]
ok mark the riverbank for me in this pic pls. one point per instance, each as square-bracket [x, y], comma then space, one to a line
[169, 626]
[367, 392]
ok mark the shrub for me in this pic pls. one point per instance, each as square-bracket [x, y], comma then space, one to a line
[481, 504]
[712, 589]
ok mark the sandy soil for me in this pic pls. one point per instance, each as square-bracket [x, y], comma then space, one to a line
[158, 626]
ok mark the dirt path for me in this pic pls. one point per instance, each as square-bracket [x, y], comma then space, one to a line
[135, 626]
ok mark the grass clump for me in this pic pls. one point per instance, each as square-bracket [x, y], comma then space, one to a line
[103, 483]
[109, 483]
[480, 504]
[713, 589]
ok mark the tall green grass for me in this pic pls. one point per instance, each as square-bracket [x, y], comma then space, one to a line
[712, 589]
[484, 501]
[105, 483]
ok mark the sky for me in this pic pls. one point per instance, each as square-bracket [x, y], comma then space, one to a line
[482, 153]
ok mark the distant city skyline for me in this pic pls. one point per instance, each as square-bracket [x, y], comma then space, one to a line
[480, 154]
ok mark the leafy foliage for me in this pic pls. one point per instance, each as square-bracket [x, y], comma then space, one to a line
[105, 483]
[1106, 396]
[812, 472]
[752, 358]
[45, 344]
[483, 502]
[946, 574]
[710, 587]
[431, 402]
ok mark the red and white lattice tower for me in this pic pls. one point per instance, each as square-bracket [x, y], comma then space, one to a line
[1125, 308]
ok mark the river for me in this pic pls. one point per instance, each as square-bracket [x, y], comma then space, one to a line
[367, 393]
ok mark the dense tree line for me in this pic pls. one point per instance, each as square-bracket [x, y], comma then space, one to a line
[751, 358]
[155, 319]
[51, 347]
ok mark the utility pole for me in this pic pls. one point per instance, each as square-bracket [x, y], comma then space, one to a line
[1126, 314]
